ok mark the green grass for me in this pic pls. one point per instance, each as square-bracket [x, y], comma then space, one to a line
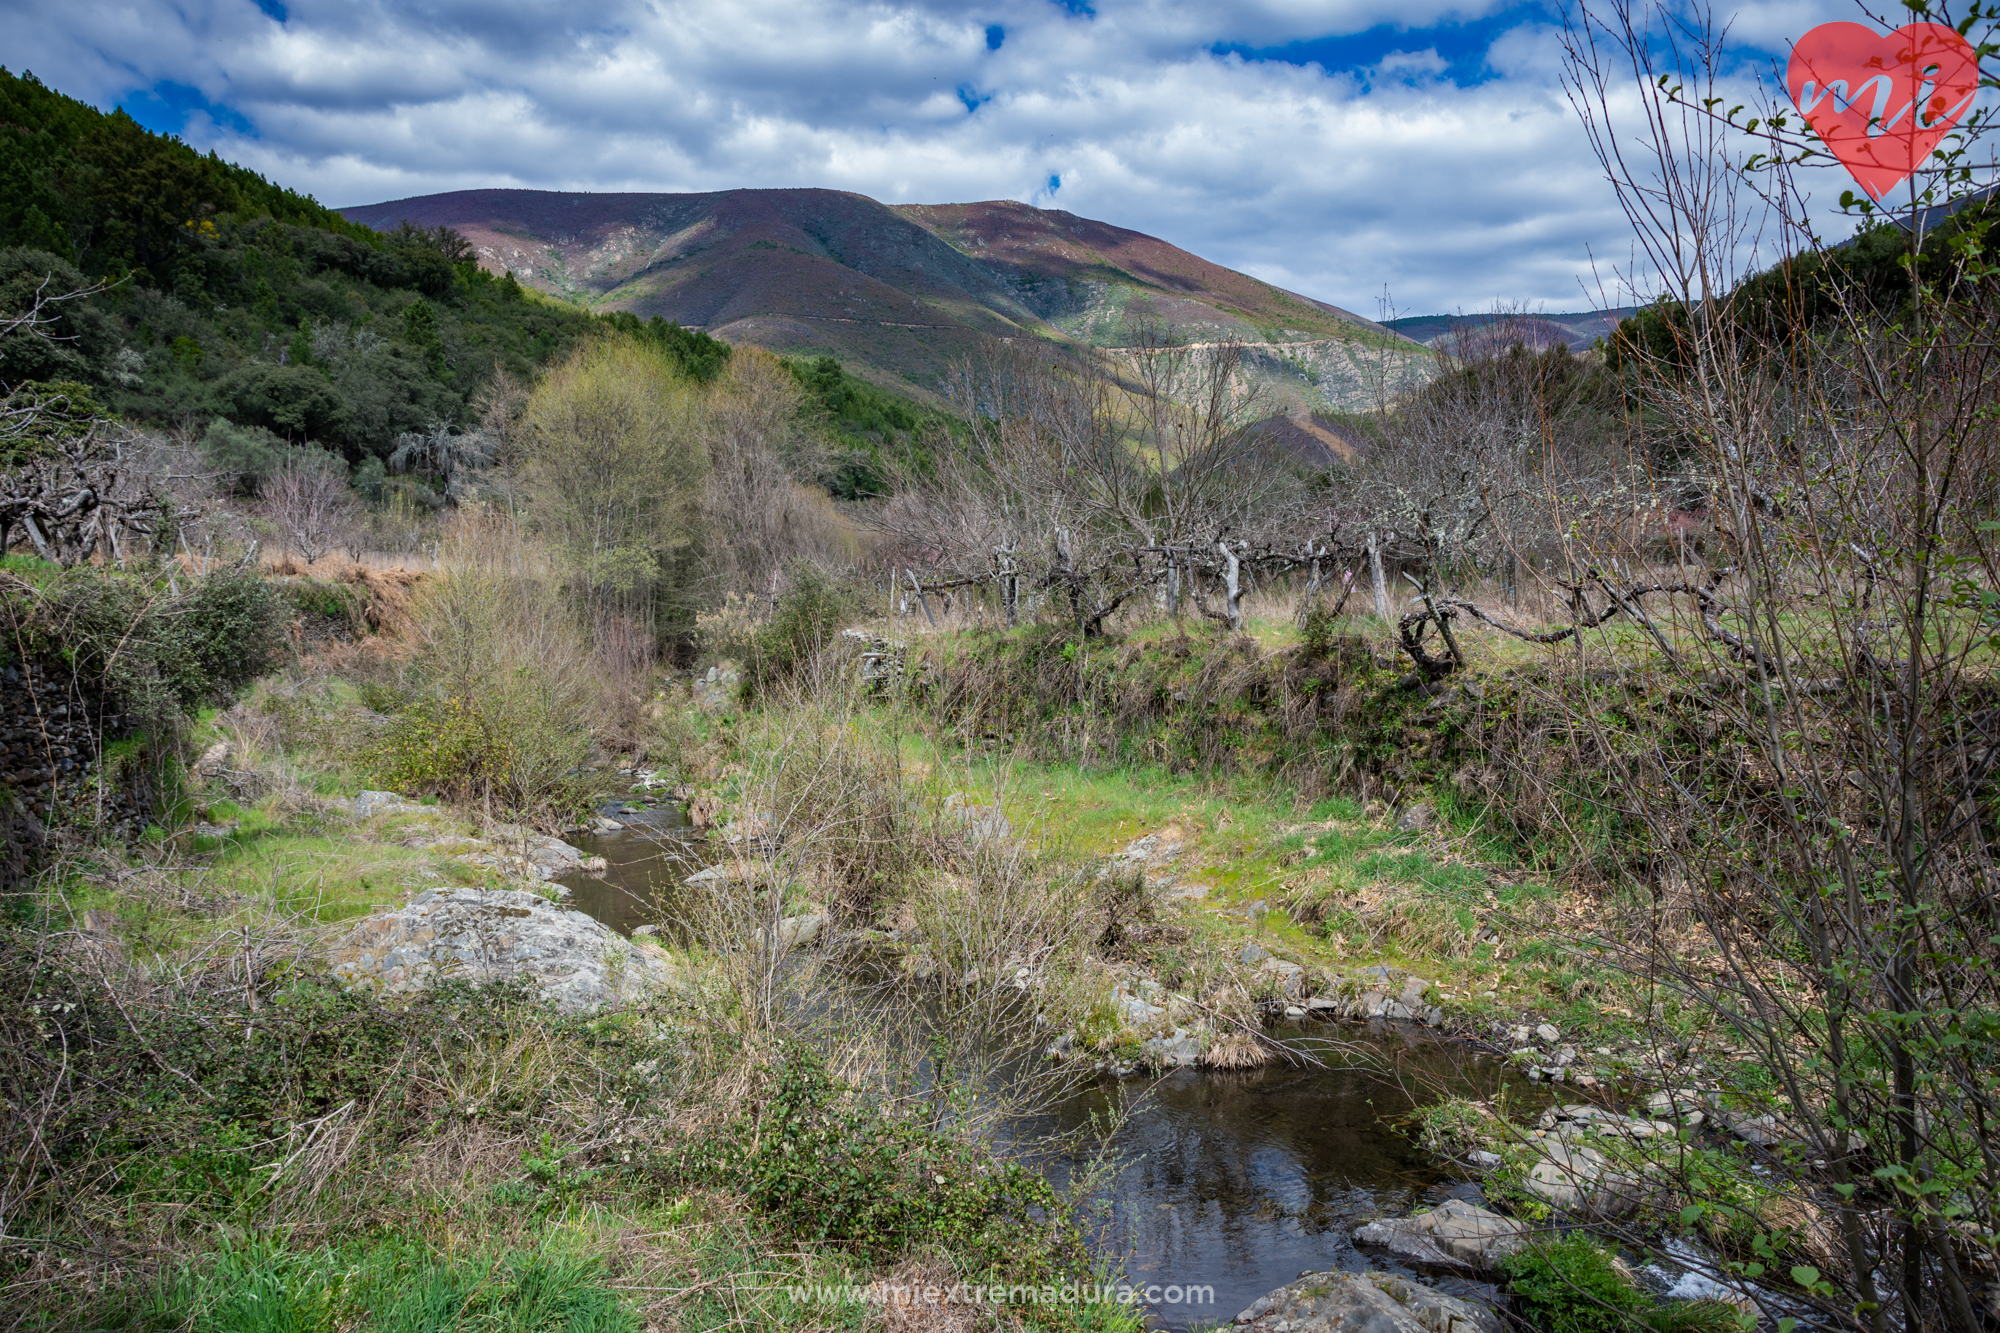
[551, 1285]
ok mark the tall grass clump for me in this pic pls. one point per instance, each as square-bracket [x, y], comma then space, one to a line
[502, 690]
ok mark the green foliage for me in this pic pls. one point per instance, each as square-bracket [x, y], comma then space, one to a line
[391, 1287]
[808, 616]
[325, 598]
[78, 336]
[831, 1167]
[1320, 634]
[699, 357]
[1570, 1286]
[249, 453]
[1807, 293]
[216, 276]
[877, 431]
[160, 653]
[63, 411]
[74, 178]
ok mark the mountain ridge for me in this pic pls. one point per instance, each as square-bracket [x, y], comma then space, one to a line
[897, 292]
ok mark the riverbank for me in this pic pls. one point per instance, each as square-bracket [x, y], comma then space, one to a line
[1066, 920]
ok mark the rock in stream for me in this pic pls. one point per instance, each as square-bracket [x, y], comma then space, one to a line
[1364, 1303]
[486, 935]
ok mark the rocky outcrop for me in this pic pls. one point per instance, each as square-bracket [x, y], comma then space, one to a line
[1364, 1303]
[488, 935]
[1455, 1234]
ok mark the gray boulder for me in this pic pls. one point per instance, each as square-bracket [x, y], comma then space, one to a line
[1575, 1120]
[1417, 818]
[487, 935]
[1578, 1179]
[368, 804]
[1364, 1303]
[717, 691]
[1181, 1050]
[1453, 1234]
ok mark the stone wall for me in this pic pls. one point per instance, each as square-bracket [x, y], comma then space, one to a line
[51, 736]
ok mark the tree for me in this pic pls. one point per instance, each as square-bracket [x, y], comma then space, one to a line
[1813, 801]
[613, 471]
[308, 498]
[1091, 482]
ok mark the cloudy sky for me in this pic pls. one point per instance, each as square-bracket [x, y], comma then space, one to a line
[1330, 146]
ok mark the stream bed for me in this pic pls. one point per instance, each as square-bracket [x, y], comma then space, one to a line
[1230, 1182]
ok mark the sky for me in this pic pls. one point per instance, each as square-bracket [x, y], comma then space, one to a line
[1420, 152]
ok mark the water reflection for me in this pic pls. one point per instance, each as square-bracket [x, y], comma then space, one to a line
[646, 863]
[1242, 1181]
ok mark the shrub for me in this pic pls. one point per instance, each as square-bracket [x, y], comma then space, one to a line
[808, 616]
[504, 695]
[247, 454]
[161, 654]
[1571, 1286]
[829, 1166]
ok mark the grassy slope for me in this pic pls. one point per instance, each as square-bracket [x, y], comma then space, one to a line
[1497, 903]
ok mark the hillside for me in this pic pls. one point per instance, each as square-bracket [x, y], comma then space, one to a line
[1576, 329]
[899, 293]
[222, 296]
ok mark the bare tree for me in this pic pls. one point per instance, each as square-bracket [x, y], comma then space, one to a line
[1815, 789]
[1088, 482]
[81, 485]
[309, 500]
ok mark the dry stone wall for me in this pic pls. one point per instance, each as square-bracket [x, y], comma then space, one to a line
[51, 741]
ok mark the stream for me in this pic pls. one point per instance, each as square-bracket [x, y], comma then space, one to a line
[1237, 1181]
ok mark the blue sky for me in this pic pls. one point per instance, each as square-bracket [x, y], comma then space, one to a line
[1342, 149]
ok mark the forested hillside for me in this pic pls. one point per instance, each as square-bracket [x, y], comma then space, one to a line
[220, 294]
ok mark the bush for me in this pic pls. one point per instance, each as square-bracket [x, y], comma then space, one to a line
[504, 694]
[831, 1167]
[1571, 1286]
[160, 654]
[247, 453]
[808, 616]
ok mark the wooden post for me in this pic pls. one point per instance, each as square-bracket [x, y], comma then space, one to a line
[1232, 565]
[1375, 573]
[918, 589]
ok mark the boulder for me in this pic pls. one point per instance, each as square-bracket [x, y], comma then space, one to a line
[985, 825]
[487, 935]
[795, 932]
[1576, 1178]
[519, 853]
[1571, 1120]
[1179, 1051]
[719, 690]
[368, 804]
[1364, 1303]
[1417, 818]
[1290, 976]
[1453, 1234]
[214, 761]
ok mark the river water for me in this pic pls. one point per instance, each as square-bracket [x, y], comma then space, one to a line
[1226, 1184]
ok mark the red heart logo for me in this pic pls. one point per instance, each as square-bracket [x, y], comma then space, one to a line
[1881, 104]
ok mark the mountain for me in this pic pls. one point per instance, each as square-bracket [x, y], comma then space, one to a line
[899, 293]
[1578, 329]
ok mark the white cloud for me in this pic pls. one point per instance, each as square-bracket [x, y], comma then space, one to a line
[1332, 183]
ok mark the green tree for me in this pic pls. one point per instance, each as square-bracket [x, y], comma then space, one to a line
[615, 470]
